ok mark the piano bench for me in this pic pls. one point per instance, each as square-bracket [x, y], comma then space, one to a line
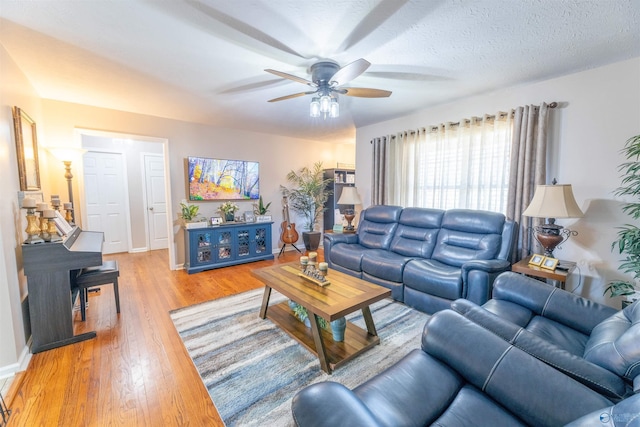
[95, 276]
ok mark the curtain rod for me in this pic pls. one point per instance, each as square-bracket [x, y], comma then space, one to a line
[553, 104]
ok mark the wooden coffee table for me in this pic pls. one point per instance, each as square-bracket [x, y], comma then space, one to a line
[344, 295]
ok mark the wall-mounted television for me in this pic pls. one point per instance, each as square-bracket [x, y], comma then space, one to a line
[218, 179]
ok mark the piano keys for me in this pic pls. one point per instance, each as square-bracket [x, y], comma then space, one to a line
[49, 267]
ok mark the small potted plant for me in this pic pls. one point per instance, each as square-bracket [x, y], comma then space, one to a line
[189, 214]
[260, 208]
[228, 209]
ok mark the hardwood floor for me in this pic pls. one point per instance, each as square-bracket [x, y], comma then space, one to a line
[136, 372]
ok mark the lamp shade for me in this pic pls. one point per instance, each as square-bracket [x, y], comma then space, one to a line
[553, 201]
[349, 196]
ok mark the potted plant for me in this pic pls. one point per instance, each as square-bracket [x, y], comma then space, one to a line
[228, 210]
[189, 214]
[628, 241]
[337, 327]
[307, 196]
[260, 208]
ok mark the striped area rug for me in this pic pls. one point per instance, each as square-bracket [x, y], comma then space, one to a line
[252, 369]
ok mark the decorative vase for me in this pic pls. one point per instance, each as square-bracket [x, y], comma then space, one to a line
[228, 217]
[338, 327]
[311, 240]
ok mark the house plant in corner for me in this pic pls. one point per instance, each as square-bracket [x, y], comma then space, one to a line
[628, 242]
[307, 196]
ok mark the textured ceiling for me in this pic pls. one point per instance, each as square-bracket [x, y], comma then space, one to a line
[203, 61]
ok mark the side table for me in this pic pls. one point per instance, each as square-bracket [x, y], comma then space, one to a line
[558, 277]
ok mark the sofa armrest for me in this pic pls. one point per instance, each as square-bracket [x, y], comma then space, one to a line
[335, 238]
[487, 265]
[544, 300]
[330, 404]
[478, 277]
[331, 239]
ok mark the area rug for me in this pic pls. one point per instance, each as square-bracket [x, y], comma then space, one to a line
[252, 369]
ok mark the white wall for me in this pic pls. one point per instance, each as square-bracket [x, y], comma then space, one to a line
[599, 110]
[15, 90]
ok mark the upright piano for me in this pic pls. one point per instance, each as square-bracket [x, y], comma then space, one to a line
[49, 268]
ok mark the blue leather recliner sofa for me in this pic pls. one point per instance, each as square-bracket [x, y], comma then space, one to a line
[427, 257]
[533, 355]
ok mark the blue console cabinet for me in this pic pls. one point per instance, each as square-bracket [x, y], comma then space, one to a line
[227, 244]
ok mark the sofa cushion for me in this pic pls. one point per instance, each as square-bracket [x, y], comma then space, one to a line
[434, 278]
[417, 232]
[614, 344]
[384, 264]
[348, 256]
[377, 226]
[556, 333]
[468, 235]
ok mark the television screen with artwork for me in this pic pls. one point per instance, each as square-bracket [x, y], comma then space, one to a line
[217, 179]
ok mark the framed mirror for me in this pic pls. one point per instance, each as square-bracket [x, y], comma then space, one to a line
[26, 150]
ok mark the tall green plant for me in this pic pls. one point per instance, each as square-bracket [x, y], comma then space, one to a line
[308, 193]
[628, 241]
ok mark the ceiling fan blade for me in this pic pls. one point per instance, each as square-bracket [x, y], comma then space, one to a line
[363, 92]
[290, 77]
[350, 72]
[295, 95]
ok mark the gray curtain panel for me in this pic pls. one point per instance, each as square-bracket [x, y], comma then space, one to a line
[379, 170]
[528, 169]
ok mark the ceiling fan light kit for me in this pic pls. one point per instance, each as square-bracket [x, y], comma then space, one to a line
[326, 79]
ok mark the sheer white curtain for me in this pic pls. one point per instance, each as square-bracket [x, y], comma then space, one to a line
[454, 165]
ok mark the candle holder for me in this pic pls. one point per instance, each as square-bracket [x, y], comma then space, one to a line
[33, 229]
[44, 226]
[52, 231]
[68, 207]
[55, 202]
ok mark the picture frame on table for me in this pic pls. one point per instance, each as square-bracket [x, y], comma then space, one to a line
[536, 260]
[216, 220]
[248, 216]
[549, 263]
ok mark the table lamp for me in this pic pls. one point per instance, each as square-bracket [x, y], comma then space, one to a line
[551, 202]
[349, 196]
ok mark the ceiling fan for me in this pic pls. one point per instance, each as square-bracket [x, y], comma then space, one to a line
[327, 78]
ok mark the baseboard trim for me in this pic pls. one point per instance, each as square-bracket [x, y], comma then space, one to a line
[20, 365]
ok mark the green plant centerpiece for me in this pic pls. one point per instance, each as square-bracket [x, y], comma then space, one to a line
[628, 241]
[307, 195]
[260, 208]
[228, 209]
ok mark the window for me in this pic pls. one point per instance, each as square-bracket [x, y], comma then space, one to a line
[462, 165]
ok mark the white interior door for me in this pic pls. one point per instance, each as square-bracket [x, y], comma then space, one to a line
[156, 202]
[105, 197]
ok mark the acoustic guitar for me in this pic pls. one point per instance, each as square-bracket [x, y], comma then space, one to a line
[289, 234]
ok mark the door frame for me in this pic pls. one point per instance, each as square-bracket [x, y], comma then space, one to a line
[79, 132]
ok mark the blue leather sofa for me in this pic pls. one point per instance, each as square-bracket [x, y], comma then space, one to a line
[532, 355]
[597, 345]
[427, 257]
[464, 375]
